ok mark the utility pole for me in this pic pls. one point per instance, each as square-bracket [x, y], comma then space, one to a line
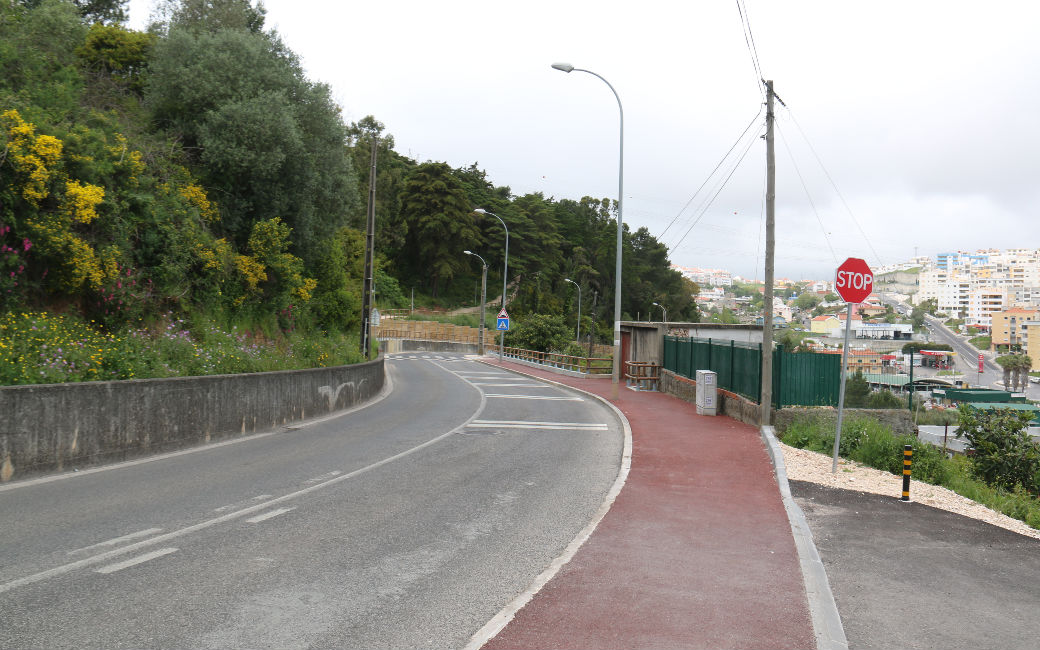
[767, 297]
[369, 284]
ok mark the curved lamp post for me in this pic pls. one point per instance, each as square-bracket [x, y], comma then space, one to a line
[664, 312]
[615, 377]
[483, 297]
[577, 330]
[505, 270]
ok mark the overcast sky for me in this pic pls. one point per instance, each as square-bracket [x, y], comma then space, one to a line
[922, 113]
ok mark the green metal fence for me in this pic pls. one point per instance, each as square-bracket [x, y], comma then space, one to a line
[799, 379]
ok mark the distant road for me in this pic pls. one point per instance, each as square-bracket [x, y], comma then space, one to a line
[407, 523]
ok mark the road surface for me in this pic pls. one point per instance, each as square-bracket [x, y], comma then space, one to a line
[406, 523]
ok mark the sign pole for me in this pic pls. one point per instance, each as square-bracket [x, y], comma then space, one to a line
[841, 390]
[980, 369]
[502, 326]
[854, 283]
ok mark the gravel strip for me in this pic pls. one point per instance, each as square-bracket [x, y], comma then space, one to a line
[804, 465]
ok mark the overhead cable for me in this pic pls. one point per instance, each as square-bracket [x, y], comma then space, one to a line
[712, 174]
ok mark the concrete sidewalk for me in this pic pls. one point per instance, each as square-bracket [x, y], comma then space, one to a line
[696, 552]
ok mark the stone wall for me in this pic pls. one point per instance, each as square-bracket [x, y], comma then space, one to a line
[901, 421]
[52, 427]
[729, 404]
[747, 411]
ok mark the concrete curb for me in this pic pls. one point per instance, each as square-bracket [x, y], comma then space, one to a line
[503, 617]
[830, 634]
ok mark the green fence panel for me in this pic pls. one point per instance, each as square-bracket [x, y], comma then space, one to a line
[809, 379]
[799, 379]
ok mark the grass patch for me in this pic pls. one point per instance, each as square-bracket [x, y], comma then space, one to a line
[981, 342]
[45, 348]
[463, 320]
[871, 443]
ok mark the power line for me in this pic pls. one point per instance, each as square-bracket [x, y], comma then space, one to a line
[709, 177]
[714, 196]
[749, 40]
[835, 186]
[807, 195]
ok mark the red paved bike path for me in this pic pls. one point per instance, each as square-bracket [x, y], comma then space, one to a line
[696, 551]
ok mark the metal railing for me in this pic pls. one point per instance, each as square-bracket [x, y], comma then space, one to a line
[587, 365]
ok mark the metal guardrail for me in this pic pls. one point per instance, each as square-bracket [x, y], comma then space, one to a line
[587, 365]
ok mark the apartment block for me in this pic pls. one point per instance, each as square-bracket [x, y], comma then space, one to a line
[1009, 327]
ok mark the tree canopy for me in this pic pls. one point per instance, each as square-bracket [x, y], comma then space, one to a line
[194, 166]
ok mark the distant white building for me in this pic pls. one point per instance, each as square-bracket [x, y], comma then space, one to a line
[983, 302]
[706, 277]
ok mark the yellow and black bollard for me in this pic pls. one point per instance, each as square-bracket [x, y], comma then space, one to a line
[908, 457]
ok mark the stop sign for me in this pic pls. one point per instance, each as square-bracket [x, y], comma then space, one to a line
[855, 280]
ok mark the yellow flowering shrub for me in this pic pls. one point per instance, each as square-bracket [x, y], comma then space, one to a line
[126, 160]
[81, 201]
[80, 265]
[305, 290]
[32, 156]
[252, 272]
[196, 196]
[213, 259]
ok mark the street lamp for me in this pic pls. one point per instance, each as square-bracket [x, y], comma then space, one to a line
[664, 312]
[483, 297]
[505, 270]
[577, 331]
[616, 375]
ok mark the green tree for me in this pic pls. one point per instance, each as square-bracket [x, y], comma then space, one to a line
[268, 142]
[391, 171]
[857, 391]
[807, 301]
[102, 11]
[209, 15]
[540, 332]
[440, 223]
[1005, 455]
[1007, 363]
[119, 53]
[338, 269]
[884, 399]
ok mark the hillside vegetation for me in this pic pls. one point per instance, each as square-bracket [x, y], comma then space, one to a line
[193, 175]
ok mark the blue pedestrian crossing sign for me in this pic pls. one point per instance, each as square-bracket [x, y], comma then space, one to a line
[503, 321]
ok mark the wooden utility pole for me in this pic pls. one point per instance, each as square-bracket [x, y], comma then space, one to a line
[767, 297]
[368, 289]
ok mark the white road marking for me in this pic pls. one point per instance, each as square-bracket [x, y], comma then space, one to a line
[134, 561]
[545, 397]
[268, 515]
[521, 385]
[520, 424]
[231, 516]
[506, 614]
[239, 504]
[117, 540]
[324, 477]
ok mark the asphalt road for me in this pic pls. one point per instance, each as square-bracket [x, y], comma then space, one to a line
[408, 523]
[905, 575]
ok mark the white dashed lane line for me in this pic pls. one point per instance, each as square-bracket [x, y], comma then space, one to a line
[521, 424]
[268, 515]
[134, 561]
[541, 397]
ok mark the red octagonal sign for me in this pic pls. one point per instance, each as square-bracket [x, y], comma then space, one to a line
[855, 280]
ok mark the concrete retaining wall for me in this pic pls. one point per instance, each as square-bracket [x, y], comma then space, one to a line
[52, 427]
[405, 345]
[747, 411]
